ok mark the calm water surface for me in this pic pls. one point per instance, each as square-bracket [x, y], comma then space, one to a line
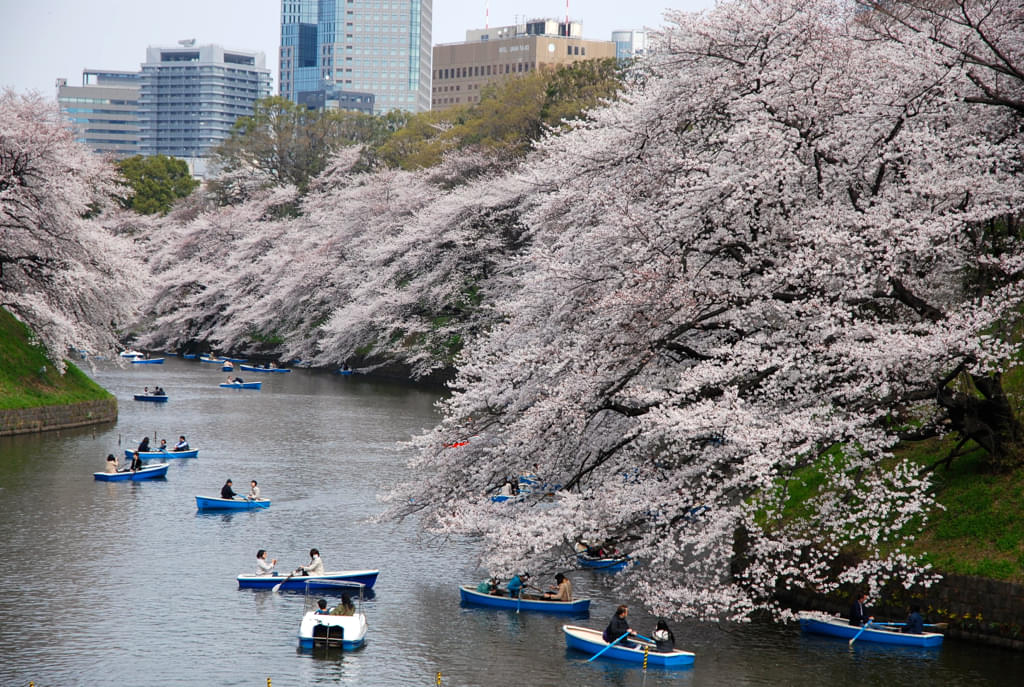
[105, 583]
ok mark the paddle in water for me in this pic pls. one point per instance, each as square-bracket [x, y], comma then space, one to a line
[607, 647]
[863, 627]
[277, 586]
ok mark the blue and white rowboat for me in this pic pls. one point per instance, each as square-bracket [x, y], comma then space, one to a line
[606, 563]
[147, 361]
[240, 385]
[254, 368]
[367, 578]
[470, 595]
[152, 398]
[590, 641]
[169, 453]
[217, 503]
[147, 472]
[835, 626]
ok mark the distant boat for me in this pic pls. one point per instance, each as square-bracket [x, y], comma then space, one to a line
[152, 398]
[470, 595]
[148, 361]
[228, 366]
[147, 472]
[188, 356]
[237, 360]
[207, 359]
[169, 453]
[240, 385]
[132, 354]
[217, 503]
[835, 626]
[606, 563]
[254, 368]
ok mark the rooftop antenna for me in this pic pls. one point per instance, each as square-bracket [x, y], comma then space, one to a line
[487, 15]
[189, 42]
[566, 17]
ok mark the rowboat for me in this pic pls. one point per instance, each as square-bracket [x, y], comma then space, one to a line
[217, 503]
[339, 631]
[169, 453]
[605, 563]
[188, 356]
[240, 385]
[147, 361]
[367, 578]
[470, 595]
[835, 626]
[152, 398]
[208, 359]
[132, 354]
[591, 641]
[228, 366]
[147, 472]
[254, 368]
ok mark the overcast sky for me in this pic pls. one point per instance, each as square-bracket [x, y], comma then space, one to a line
[41, 40]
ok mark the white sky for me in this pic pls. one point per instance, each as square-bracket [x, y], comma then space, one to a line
[41, 40]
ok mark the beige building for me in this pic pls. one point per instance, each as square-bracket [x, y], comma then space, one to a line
[461, 70]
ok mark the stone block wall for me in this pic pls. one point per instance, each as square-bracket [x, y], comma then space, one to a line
[45, 418]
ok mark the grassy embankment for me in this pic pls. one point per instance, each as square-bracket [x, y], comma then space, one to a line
[29, 380]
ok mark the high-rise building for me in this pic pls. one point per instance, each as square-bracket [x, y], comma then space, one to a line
[190, 97]
[103, 111]
[629, 44]
[461, 70]
[381, 47]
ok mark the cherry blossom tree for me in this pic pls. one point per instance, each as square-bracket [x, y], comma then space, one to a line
[760, 274]
[62, 272]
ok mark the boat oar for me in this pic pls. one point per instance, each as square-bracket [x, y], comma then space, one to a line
[607, 647]
[278, 585]
[863, 627]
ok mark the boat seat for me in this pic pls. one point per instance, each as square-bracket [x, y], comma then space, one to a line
[328, 635]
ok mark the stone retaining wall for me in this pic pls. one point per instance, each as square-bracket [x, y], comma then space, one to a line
[46, 418]
[977, 609]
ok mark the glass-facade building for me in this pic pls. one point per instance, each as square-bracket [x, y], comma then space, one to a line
[191, 96]
[381, 47]
[103, 111]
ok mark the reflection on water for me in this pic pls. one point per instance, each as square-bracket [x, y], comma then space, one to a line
[126, 583]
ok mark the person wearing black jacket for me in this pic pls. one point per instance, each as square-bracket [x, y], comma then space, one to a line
[858, 612]
[618, 626]
[226, 492]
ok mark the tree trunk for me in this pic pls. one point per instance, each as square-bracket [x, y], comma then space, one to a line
[989, 420]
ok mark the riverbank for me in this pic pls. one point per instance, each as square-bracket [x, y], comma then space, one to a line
[35, 396]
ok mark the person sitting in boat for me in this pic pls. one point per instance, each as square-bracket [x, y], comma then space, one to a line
[561, 591]
[619, 626]
[235, 380]
[489, 586]
[163, 445]
[182, 445]
[159, 391]
[315, 567]
[254, 491]
[517, 584]
[264, 567]
[321, 607]
[508, 489]
[858, 613]
[226, 492]
[345, 607]
[137, 463]
[112, 465]
[663, 638]
[143, 445]
[915, 623]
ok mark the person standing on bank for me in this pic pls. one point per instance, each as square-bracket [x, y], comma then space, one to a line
[316, 565]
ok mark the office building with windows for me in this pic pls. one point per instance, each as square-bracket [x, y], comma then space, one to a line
[380, 47]
[461, 70]
[103, 111]
[629, 44]
[190, 97]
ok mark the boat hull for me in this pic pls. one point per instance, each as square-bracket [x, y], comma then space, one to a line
[367, 578]
[216, 503]
[470, 595]
[243, 385]
[344, 631]
[253, 368]
[835, 626]
[150, 397]
[148, 472]
[153, 455]
[608, 564]
[591, 641]
[148, 361]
